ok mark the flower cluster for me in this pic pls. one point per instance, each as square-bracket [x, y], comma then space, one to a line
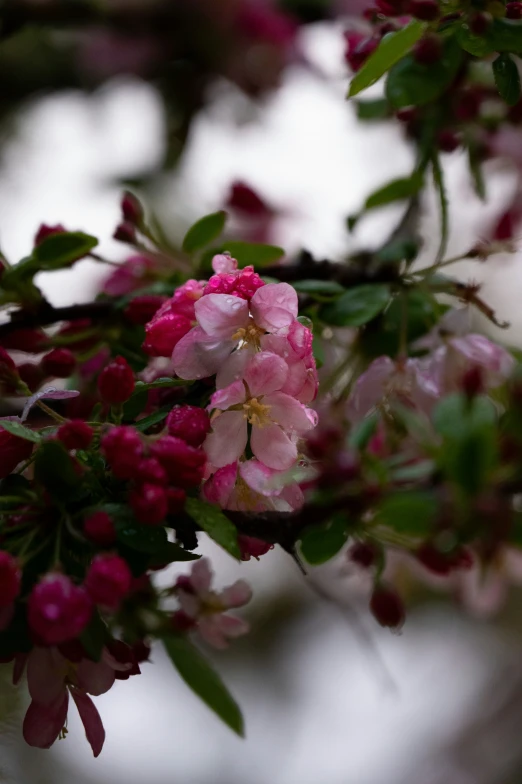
[247, 333]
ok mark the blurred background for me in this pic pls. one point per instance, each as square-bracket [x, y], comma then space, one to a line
[327, 695]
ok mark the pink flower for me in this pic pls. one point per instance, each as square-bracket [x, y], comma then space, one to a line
[108, 580]
[208, 608]
[277, 419]
[461, 354]
[252, 486]
[412, 383]
[173, 320]
[129, 276]
[296, 349]
[51, 678]
[57, 609]
[226, 322]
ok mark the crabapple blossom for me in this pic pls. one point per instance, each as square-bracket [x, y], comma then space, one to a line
[277, 419]
[207, 609]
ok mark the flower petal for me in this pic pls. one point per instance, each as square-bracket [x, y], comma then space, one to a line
[201, 576]
[19, 667]
[274, 306]
[197, 355]
[237, 595]
[210, 631]
[91, 720]
[95, 677]
[43, 723]
[229, 396]
[260, 477]
[233, 368]
[46, 673]
[220, 315]
[228, 439]
[220, 486]
[223, 263]
[369, 389]
[273, 447]
[265, 373]
[290, 413]
[231, 627]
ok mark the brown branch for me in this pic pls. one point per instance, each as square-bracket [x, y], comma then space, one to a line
[47, 315]
[285, 528]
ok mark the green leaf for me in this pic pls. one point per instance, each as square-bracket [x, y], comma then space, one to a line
[455, 416]
[414, 472]
[411, 83]
[318, 287]
[361, 433]
[204, 231]
[254, 253]
[62, 250]
[153, 419]
[173, 552]
[144, 538]
[398, 250]
[357, 306]
[373, 110]
[507, 78]
[397, 190]
[212, 520]
[204, 681]
[470, 449]
[475, 167]
[438, 179]
[54, 469]
[17, 429]
[505, 35]
[476, 45]
[320, 543]
[409, 513]
[392, 48]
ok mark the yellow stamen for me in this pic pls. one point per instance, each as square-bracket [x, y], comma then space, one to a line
[257, 413]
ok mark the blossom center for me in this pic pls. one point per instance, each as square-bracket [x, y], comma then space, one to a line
[256, 412]
[249, 335]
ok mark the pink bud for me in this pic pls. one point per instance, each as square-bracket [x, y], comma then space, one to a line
[163, 334]
[45, 231]
[108, 580]
[150, 470]
[131, 208]
[58, 363]
[10, 578]
[58, 610]
[189, 423]
[99, 528]
[387, 607]
[75, 434]
[12, 451]
[149, 503]
[243, 199]
[30, 340]
[252, 548]
[141, 310]
[123, 449]
[31, 374]
[428, 50]
[183, 463]
[125, 232]
[116, 381]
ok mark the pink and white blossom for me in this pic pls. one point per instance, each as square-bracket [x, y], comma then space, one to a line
[207, 608]
[250, 486]
[277, 419]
